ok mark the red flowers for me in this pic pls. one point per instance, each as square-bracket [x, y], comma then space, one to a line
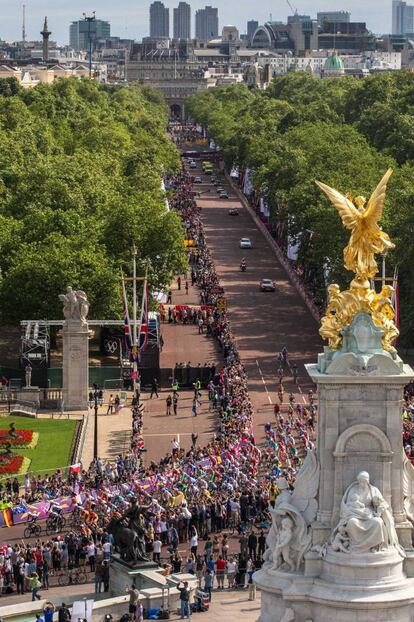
[22, 438]
[10, 464]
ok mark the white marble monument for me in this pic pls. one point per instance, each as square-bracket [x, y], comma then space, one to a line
[340, 546]
[75, 350]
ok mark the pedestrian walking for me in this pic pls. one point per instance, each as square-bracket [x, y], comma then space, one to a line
[194, 438]
[194, 407]
[186, 288]
[110, 405]
[179, 283]
[35, 586]
[168, 403]
[200, 326]
[251, 584]
[208, 583]
[169, 297]
[175, 404]
[154, 388]
[174, 387]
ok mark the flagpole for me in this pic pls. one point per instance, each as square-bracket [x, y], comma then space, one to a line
[134, 311]
[143, 298]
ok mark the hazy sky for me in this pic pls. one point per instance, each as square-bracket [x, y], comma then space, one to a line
[129, 18]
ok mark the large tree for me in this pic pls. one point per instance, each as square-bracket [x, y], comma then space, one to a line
[80, 181]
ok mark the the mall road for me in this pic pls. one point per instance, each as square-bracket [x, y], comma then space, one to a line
[263, 323]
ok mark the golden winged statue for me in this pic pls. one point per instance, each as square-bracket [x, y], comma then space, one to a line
[367, 238]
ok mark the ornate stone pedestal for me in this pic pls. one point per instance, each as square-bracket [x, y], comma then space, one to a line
[123, 574]
[356, 546]
[75, 365]
[29, 394]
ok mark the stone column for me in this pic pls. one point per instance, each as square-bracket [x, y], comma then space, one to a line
[75, 365]
[75, 350]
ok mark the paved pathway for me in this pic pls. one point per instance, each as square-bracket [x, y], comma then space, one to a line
[231, 606]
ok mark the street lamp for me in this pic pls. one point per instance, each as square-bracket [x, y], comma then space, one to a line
[95, 432]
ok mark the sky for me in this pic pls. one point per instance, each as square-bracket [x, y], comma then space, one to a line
[129, 18]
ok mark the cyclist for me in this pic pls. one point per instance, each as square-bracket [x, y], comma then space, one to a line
[55, 512]
[93, 516]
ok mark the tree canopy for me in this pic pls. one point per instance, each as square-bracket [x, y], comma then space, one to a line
[342, 131]
[80, 181]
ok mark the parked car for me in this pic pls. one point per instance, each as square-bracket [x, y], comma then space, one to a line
[197, 180]
[223, 195]
[193, 164]
[267, 285]
[233, 211]
[245, 243]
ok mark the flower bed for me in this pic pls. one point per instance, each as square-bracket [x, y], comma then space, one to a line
[25, 439]
[14, 465]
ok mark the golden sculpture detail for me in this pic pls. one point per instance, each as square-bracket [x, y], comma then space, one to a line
[367, 239]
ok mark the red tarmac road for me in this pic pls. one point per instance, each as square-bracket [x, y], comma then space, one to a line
[262, 322]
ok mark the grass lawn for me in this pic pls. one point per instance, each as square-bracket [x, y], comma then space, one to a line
[53, 447]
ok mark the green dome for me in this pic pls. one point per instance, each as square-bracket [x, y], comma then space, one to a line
[334, 63]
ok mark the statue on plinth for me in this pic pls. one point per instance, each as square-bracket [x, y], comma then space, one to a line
[129, 533]
[28, 375]
[366, 523]
[75, 305]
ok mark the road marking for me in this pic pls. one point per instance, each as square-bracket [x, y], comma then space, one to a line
[264, 382]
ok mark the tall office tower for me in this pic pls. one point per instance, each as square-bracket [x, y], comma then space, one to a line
[81, 30]
[206, 23]
[252, 26]
[402, 17]
[340, 17]
[159, 20]
[182, 21]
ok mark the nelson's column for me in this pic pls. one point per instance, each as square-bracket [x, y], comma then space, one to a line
[340, 546]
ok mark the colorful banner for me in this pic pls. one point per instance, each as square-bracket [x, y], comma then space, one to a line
[19, 514]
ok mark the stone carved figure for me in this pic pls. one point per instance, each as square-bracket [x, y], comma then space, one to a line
[281, 552]
[288, 616]
[28, 375]
[75, 305]
[289, 537]
[366, 523]
[340, 541]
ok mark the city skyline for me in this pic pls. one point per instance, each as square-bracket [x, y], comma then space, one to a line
[131, 21]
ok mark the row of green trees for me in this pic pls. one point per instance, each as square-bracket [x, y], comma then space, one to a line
[344, 132]
[80, 180]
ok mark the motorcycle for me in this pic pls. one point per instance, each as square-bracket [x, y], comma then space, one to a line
[243, 267]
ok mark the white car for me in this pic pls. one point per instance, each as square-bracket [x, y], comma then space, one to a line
[245, 243]
[267, 285]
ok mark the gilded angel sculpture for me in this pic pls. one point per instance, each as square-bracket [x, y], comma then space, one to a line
[367, 238]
